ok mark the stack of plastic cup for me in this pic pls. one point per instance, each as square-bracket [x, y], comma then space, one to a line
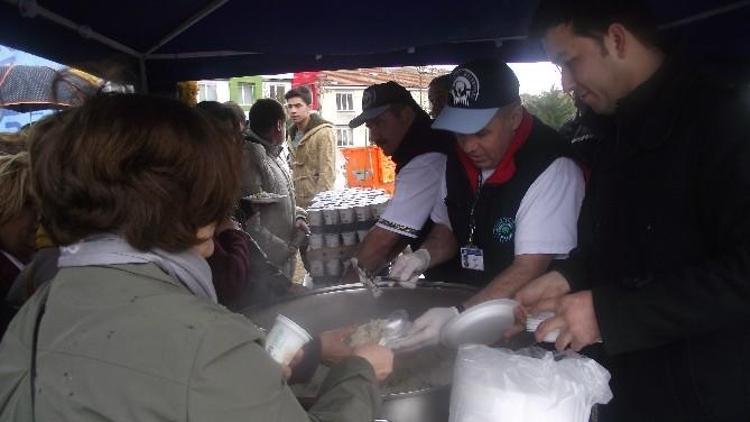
[533, 322]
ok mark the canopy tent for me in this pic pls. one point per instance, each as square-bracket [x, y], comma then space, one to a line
[172, 40]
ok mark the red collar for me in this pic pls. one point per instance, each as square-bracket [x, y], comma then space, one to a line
[507, 166]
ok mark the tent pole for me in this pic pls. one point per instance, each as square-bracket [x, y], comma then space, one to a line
[187, 24]
[144, 75]
[705, 15]
[30, 9]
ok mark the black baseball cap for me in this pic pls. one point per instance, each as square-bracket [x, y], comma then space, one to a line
[377, 98]
[478, 90]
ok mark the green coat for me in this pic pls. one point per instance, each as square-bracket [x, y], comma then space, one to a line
[128, 343]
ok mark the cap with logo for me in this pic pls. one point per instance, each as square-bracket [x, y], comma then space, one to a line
[377, 98]
[478, 90]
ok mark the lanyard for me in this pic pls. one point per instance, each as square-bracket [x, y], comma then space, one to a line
[472, 212]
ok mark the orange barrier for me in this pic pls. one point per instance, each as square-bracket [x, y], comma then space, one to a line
[368, 167]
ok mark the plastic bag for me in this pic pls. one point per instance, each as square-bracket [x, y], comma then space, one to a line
[528, 385]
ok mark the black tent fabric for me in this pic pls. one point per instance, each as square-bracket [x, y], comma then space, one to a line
[172, 40]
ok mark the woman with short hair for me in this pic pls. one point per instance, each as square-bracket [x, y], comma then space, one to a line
[132, 187]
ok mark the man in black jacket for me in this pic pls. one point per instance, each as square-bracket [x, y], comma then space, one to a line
[662, 273]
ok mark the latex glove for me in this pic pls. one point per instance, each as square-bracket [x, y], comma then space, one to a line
[409, 266]
[426, 329]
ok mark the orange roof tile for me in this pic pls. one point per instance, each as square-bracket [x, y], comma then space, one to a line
[408, 77]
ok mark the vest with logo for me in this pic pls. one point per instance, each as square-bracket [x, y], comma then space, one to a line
[497, 203]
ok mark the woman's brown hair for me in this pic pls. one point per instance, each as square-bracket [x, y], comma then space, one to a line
[151, 169]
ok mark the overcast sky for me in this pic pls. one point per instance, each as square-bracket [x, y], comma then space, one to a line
[536, 77]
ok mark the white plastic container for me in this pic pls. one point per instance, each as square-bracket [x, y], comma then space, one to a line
[362, 212]
[285, 339]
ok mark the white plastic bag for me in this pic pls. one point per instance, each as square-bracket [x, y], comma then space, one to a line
[528, 385]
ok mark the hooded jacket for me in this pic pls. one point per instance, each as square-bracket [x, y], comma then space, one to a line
[265, 171]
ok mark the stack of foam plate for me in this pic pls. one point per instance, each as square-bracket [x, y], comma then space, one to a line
[481, 324]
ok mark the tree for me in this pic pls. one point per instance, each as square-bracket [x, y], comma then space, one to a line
[553, 107]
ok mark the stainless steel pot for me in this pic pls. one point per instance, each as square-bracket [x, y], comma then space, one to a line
[334, 307]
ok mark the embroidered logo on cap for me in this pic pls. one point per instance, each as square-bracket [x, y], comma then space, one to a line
[465, 88]
[368, 99]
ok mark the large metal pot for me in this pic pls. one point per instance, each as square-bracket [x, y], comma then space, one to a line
[334, 307]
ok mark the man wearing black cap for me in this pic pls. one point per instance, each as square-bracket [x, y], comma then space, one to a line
[402, 130]
[510, 198]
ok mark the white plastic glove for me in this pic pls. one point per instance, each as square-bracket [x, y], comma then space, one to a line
[409, 266]
[426, 330]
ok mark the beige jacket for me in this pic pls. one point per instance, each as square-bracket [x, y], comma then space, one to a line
[313, 160]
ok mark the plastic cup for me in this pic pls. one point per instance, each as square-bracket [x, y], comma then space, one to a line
[317, 268]
[315, 217]
[349, 238]
[331, 216]
[533, 322]
[332, 240]
[362, 211]
[316, 241]
[333, 267]
[346, 215]
[285, 339]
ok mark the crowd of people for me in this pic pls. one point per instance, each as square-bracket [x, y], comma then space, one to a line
[128, 242]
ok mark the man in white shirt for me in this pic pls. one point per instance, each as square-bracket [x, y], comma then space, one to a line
[402, 130]
[509, 199]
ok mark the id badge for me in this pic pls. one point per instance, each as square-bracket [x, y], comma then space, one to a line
[472, 258]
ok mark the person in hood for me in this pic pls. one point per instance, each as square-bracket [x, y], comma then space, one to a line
[279, 225]
[402, 130]
[509, 197]
[312, 147]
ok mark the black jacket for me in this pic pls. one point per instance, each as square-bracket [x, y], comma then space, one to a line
[665, 249]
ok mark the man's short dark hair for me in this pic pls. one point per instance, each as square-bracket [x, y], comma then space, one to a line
[151, 169]
[592, 18]
[219, 113]
[264, 115]
[442, 83]
[302, 92]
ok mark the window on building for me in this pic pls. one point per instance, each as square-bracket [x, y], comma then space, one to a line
[277, 91]
[344, 101]
[344, 136]
[207, 92]
[246, 93]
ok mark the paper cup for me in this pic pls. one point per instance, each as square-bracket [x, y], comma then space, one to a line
[285, 339]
